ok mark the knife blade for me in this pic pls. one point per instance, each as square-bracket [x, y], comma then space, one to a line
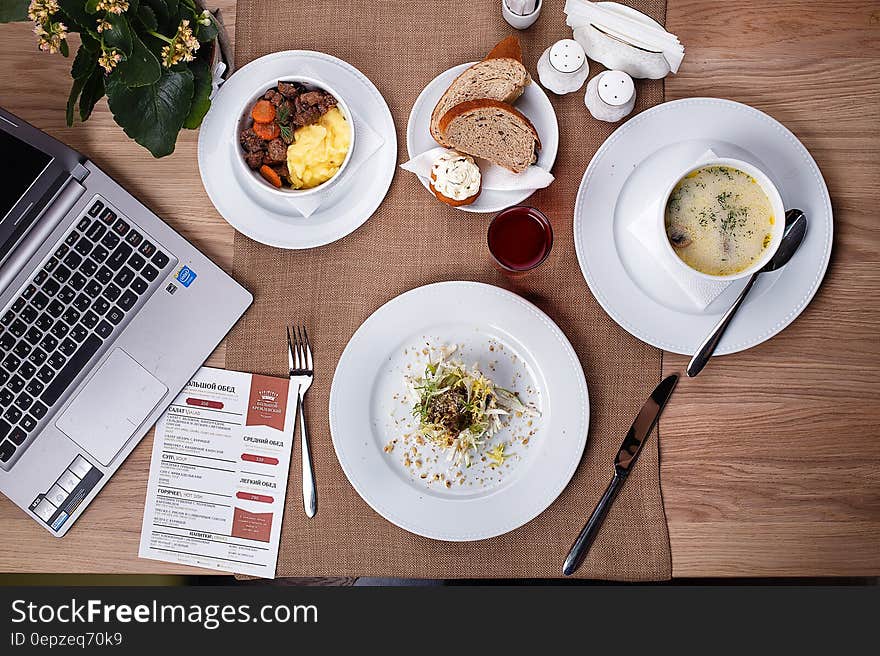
[626, 457]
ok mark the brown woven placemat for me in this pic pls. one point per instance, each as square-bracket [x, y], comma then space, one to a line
[413, 240]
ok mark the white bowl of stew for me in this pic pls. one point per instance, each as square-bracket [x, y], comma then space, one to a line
[721, 220]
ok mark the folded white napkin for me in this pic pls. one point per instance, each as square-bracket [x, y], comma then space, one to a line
[494, 176]
[366, 143]
[610, 18]
[701, 291]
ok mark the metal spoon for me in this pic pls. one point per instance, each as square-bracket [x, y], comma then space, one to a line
[795, 229]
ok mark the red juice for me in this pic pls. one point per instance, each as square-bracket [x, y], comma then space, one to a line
[520, 238]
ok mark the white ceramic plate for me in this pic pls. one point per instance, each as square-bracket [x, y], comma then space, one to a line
[516, 345]
[351, 200]
[629, 168]
[534, 103]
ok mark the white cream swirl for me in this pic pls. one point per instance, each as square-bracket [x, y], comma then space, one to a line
[456, 176]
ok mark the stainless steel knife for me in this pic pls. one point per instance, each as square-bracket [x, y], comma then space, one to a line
[623, 463]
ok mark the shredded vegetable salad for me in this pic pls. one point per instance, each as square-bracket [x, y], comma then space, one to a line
[459, 409]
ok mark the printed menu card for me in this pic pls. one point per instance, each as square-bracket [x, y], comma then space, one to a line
[218, 474]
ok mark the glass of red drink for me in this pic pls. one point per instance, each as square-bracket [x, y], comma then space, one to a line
[520, 239]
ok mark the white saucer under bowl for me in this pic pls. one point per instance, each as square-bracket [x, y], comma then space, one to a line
[400, 475]
[262, 217]
[631, 167]
[533, 103]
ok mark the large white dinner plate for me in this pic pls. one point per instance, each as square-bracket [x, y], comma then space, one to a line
[351, 200]
[533, 103]
[513, 343]
[631, 168]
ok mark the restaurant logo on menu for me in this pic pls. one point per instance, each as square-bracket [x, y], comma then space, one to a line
[267, 404]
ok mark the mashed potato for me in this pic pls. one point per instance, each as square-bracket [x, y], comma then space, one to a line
[318, 150]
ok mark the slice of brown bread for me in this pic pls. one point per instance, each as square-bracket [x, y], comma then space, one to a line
[494, 131]
[500, 76]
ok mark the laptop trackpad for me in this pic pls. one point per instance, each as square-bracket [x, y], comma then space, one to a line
[108, 410]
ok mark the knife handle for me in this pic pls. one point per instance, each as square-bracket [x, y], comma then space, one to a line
[582, 545]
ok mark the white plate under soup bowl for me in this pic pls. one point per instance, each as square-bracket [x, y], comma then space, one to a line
[767, 187]
[253, 178]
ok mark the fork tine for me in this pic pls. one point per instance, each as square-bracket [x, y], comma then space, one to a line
[290, 362]
[299, 341]
[297, 362]
[308, 348]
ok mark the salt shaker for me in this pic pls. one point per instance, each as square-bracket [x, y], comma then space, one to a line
[610, 96]
[521, 14]
[563, 67]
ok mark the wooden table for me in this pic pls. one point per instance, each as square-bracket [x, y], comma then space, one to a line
[771, 458]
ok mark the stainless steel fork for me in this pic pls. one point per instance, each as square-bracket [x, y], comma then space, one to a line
[299, 359]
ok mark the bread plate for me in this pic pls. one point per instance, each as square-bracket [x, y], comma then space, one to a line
[512, 342]
[533, 103]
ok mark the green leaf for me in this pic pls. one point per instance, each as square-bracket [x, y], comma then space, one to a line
[92, 6]
[148, 18]
[84, 63]
[154, 114]
[141, 68]
[75, 90]
[75, 12]
[201, 102]
[92, 92]
[12, 11]
[64, 49]
[119, 34]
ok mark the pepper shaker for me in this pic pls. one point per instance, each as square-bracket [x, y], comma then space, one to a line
[563, 68]
[610, 96]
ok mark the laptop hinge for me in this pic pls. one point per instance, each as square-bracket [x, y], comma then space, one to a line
[79, 172]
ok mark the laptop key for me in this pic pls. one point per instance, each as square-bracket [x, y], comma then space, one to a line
[4, 376]
[88, 267]
[101, 305]
[115, 315]
[24, 401]
[92, 288]
[127, 300]
[34, 387]
[44, 321]
[40, 277]
[124, 276]
[46, 374]
[108, 216]
[17, 328]
[82, 302]
[77, 280]
[83, 223]
[51, 287]
[8, 317]
[96, 208]
[120, 227]
[104, 329]
[66, 376]
[119, 256]
[110, 240]
[160, 259]
[17, 436]
[33, 335]
[71, 315]
[147, 249]
[71, 239]
[7, 341]
[61, 251]
[40, 300]
[51, 263]
[84, 246]
[22, 349]
[28, 423]
[7, 449]
[15, 384]
[96, 231]
[28, 291]
[48, 343]
[136, 262]
[134, 237]
[12, 414]
[139, 286]
[100, 254]
[111, 292]
[11, 362]
[27, 370]
[61, 274]
[56, 360]
[38, 356]
[18, 305]
[104, 275]
[55, 308]
[38, 410]
[68, 347]
[59, 329]
[67, 294]
[29, 314]
[6, 397]
[5, 427]
[150, 272]
[89, 320]
[78, 333]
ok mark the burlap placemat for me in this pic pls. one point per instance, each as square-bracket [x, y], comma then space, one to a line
[401, 45]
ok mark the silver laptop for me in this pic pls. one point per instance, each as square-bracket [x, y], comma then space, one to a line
[105, 314]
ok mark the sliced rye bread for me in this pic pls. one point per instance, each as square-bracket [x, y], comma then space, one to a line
[500, 76]
[494, 131]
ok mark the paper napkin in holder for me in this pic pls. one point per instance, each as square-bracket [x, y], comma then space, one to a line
[493, 176]
[701, 291]
[366, 143]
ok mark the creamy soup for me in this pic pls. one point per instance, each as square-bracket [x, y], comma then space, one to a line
[719, 220]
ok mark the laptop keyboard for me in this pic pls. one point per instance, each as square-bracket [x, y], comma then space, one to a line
[72, 305]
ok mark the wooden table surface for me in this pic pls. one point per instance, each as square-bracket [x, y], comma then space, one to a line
[771, 458]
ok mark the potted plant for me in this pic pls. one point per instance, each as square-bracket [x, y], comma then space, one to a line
[151, 58]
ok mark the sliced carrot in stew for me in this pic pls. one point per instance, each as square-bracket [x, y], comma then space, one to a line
[271, 177]
[263, 112]
[267, 131]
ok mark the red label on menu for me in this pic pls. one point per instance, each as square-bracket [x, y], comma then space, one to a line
[204, 403]
[263, 460]
[267, 404]
[251, 526]
[250, 496]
